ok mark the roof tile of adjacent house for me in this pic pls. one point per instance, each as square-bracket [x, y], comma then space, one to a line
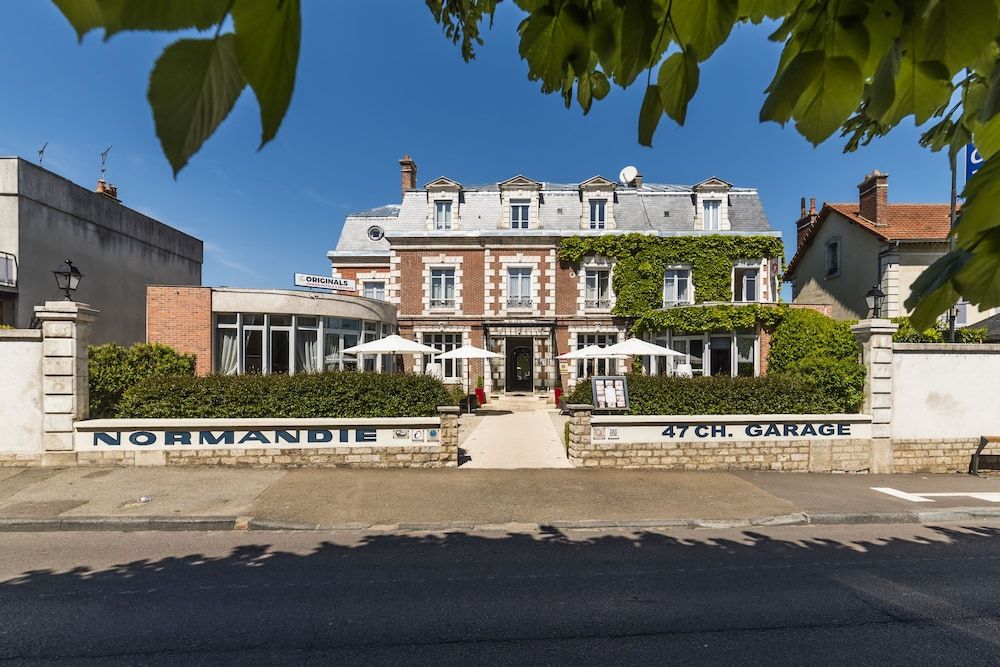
[904, 221]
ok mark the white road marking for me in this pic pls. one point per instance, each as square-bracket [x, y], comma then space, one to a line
[912, 497]
[987, 496]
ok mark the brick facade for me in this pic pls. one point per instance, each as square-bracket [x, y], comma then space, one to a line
[181, 317]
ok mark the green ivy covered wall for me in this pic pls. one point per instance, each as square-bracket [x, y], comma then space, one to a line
[640, 262]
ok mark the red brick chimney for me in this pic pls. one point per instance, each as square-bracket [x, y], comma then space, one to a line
[107, 189]
[873, 196]
[806, 221]
[408, 170]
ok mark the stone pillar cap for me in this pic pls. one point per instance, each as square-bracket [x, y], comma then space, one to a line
[448, 409]
[875, 326]
[579, 406]
[66, 310]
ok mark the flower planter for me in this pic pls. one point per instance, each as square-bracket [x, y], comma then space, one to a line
[480, 395]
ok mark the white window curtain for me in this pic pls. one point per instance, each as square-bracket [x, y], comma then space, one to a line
[711, 208]
[229, 352]
[306, 351]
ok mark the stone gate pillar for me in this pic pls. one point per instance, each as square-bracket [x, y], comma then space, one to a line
[66, 329]
[875, 338]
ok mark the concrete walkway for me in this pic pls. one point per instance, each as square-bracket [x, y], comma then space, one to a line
[515, 440]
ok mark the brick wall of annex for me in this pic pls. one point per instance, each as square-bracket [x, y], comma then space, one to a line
[181, 317]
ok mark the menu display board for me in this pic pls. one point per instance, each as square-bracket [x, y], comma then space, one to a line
[610, 392]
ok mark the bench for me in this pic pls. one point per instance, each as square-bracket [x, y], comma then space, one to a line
[992, 460]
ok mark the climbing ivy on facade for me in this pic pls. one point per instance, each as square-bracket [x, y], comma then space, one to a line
[640, 262]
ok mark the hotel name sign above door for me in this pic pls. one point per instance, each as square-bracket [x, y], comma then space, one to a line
[325, 282]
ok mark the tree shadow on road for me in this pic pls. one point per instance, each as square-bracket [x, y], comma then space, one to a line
[449, 596]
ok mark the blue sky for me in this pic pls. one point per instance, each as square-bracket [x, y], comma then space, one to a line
[376, 80]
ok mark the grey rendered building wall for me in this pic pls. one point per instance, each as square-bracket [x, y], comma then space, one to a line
[119, 250]
[858, 270]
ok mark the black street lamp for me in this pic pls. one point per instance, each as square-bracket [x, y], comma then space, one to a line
[874, 298]
[67, 278]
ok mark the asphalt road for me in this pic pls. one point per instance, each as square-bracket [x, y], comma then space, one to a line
[811, 595]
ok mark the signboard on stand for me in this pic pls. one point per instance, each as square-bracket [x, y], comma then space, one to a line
[610, 392]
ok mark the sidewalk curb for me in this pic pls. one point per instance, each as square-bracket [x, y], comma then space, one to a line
[234, 523]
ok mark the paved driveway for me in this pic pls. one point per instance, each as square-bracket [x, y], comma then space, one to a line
[515, 440]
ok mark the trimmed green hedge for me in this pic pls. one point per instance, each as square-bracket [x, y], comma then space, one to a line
[346, 394]
[113, 369]
[767, 394]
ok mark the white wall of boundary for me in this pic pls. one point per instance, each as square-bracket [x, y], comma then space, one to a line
[20, 390]
[945, 390]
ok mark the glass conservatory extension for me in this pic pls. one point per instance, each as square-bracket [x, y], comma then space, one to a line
[261, 340]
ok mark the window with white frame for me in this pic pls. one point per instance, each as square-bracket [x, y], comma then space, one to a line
[589, 367]
[451, 369]
[832, 258]
[519, 213]
[374, 289]
[597, 290]
[693, 347]
[746, 283]
[710, 208]
[519, 288]
[676, 286]
[280, 343]
[442, 214]
[442, 288]
[597, 207]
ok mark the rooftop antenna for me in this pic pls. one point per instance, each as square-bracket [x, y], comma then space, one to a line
[104, 161]
[41, 153]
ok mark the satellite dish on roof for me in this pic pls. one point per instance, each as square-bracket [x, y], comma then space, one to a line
[628, 174]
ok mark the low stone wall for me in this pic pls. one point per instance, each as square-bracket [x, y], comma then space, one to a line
[934, 454]
[721, 442]
[422, 442]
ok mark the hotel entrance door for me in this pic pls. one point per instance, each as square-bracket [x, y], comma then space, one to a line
[519, 364]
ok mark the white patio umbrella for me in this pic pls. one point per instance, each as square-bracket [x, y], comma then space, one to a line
[591, 352]
[468, 352]
[635, 347]
[393, 344]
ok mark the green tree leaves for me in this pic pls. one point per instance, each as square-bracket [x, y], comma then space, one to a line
[677, 82]
[859, 65]
[195, 82]
[192, 89]
[267, 48]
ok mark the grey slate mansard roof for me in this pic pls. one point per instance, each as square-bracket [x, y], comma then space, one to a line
[653, 209]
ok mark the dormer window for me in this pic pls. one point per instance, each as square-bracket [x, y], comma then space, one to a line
[442, 214]
[519, 213]
[711, 213]
[597, 209]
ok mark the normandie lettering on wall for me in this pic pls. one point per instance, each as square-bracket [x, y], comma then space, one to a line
[228, 438]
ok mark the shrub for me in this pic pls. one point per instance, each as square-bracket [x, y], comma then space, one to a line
[937, 334]
[769, 394]
[113, 369]
[5, 326]
[807, 346]
[346, 394]
[803, 333]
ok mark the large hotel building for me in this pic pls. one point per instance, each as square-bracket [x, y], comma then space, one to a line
[477, 264]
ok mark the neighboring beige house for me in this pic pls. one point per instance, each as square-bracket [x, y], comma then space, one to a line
[845, 249]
